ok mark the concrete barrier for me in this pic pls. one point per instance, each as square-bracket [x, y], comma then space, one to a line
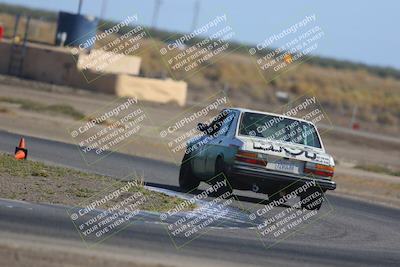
[124, 65]
[162, 91]
[56, 65]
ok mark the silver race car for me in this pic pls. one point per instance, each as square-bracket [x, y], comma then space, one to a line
[259, 151]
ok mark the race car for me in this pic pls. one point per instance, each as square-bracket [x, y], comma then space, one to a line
[259, 151]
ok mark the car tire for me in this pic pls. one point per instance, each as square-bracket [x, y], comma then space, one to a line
[221, 168]
[187, 180]
[318, 200]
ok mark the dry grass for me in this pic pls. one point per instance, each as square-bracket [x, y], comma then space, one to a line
[369, 189]
[37, 182]
[378, 169]
[60, 109]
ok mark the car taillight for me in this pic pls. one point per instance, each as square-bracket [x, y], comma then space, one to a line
[251, 158]
[319, 169]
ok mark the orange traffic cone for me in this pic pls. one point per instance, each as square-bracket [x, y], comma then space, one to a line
[20, 151]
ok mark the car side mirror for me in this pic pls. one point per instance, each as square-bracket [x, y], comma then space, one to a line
[202, 127]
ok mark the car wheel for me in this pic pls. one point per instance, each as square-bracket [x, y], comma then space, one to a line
[315, 203]
[219, 170]
[187, 180]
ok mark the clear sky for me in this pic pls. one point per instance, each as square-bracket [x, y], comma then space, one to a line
[364, 31]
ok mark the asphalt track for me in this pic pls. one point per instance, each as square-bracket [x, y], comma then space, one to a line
[355, 233]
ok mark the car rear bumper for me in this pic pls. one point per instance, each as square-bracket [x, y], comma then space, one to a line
[253, 174]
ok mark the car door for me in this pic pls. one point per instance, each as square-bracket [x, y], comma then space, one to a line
[218, 144]
[198, 156]
[199, 159]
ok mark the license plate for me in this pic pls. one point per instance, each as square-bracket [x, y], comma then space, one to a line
[284, 166]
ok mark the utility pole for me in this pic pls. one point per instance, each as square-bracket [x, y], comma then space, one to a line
[195, 15]
[103, 9]
[157, 5]
[80, 7]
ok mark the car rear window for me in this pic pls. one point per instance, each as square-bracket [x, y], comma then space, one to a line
[279, 129]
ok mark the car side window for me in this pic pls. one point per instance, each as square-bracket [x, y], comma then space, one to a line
[220, 123]
[227, 122]
[216, 124]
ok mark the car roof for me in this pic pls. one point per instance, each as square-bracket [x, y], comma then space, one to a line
[242, 110]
